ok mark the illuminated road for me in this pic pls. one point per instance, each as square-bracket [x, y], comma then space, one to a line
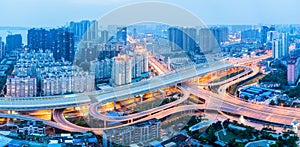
[117, 93]
[93, 110]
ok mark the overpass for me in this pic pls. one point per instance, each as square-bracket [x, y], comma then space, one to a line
[117, 93]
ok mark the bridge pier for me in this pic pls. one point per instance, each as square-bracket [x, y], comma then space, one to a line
[104, 123]
[141, 96]
[115, 105]
[51, 114]
[163, 93]
[134, 99]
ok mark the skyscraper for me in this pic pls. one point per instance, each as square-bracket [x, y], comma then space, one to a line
[263, 34]
[104, 36]
[280, 46]
[13, 42]
[285, 44]
[38, 39]
[122, 34]
[293, 68]
[276, 48]
[207, 42]
[2, 48]
[189, 40]
[220, 33]
[121, 70]
[87, 30]
[60, 41]
[175, 37]
[249, 36]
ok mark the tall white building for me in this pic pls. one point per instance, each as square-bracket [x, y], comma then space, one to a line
[39, 69]
[121, 70]
[140, 62]
[64, 80]
[21, 86]
[280, 46]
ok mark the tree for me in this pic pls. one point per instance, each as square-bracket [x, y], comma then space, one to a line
[272, 102]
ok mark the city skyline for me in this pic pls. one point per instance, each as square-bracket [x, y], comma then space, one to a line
[210, 12]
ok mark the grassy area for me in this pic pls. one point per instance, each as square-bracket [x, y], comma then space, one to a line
[254, 80]
[148, 105]
[228, 137]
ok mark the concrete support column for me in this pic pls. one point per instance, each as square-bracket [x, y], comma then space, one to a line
[104, 124]
[115, 105]
[134, 98]
[51, 113]
[141, 96]
[163, 93]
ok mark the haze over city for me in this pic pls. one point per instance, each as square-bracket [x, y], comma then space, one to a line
[47, 13]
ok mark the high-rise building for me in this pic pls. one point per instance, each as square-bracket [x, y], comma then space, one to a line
[2, 48]
[207, 42]
[272, 35]
[220, 33]
[122, 35]
[121, 70]
[263, 34]
[249, 36]
[293, 68]
[60, 41]
[280, 46]
[140, 62]
[285, 44]
[276, 48]
[103, 69]
[87, 30]
[13, 42]
[138, 133]
[21, 86]
[38, 39]
[175, 36]
[183, 39]
[62, 44]
[104, 36]
[189, 40]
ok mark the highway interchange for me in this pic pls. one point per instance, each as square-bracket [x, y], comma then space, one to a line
[220, 101]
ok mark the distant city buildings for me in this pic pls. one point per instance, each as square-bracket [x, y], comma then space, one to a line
[104, 36]
[60, 41]
[122, 35]
[220, 33]
[250, 36]
[13, 42]
[263, 35]
[207, 41]
[37, 73]
[137, 133]
[86, 30]
[183, 39]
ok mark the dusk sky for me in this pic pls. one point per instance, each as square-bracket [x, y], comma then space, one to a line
[52, 13]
